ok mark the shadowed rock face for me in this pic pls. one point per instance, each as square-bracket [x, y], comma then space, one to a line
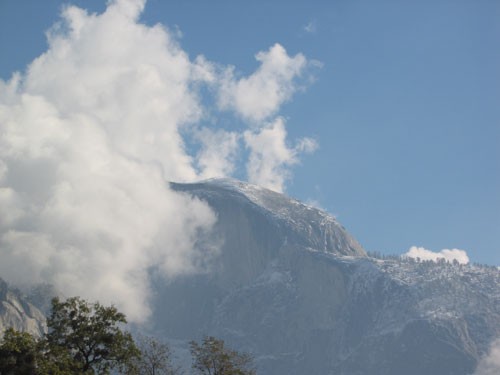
[295, 289]
[249, 213]
[255, 228]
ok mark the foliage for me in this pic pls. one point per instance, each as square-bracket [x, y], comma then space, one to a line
[18, 353]
[87, 338]
[213, 358]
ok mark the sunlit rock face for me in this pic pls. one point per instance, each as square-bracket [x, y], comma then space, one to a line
[17, 312]
[292, 287]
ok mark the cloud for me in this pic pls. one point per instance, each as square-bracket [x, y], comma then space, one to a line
[91, 134]
[490, 364]
[260, 95]
[270, 156]
[310, 27]
[217, 154]
[447, 254]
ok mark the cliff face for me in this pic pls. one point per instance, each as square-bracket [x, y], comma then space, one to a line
[256, 229]
[18, 313]
[295, 289]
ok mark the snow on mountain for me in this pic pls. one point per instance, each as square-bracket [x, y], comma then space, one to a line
[293, 288]
[303, 224]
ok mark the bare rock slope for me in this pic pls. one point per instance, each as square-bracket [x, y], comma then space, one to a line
[295, 289]
[17, 312]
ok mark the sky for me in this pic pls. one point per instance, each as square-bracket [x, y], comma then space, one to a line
[386, 114]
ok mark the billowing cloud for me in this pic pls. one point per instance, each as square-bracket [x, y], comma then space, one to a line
[446, 254]
[218, 149]
[490, 364]
[261, 94]
[270, 156]
[91, 134]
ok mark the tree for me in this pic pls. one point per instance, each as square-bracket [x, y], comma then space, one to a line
[87, 338]
[18, 353]
[213, 358]
[23, 354]
[155, 358]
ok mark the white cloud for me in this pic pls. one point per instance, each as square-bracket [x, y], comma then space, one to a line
[306, 145]
[88, 137]
[260, 95]
[490, 364]
[310, 27]
[216, 157]
[447, 254]
[270, 156]
[91, 134]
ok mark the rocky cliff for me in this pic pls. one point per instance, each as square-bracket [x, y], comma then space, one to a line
[17, 312]
[295, 289]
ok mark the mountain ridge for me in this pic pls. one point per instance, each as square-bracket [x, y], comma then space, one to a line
[293, 288]
[329, 235]
[323, 307]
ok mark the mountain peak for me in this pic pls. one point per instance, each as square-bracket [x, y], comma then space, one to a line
[308, 226]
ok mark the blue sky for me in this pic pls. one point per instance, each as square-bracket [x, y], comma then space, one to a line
[405, 108]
